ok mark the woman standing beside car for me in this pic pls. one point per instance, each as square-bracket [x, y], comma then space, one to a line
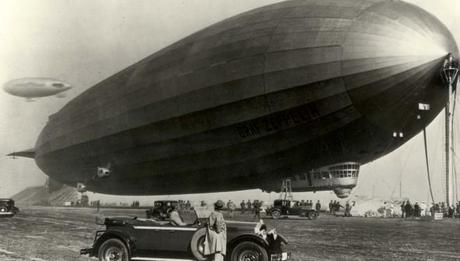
[216, 234]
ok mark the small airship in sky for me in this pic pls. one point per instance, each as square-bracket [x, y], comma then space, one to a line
[36, 87]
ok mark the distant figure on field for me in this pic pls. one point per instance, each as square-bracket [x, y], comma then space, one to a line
[403, 209]
[347, 209]
[242, 206]
[444, 209]
[417, 210]
[249, 205]
[231, 208]
[257, 205]
[318, 207]
[337, 206]
[451, 211]
[408, 209]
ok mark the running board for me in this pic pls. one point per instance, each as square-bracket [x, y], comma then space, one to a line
[158, 259]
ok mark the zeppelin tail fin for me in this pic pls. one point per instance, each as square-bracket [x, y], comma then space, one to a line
[30, 153]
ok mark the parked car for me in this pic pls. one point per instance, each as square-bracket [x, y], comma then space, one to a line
[7, 208]
[126, 239]
[161, 209]
[285, 207]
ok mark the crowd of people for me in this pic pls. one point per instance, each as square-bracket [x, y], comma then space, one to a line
[308, 203]
[335, 206]
[409, 210]
[414, 210]
[250, 206]
[255, 207]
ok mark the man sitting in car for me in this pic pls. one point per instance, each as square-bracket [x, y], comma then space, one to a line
[174, 217]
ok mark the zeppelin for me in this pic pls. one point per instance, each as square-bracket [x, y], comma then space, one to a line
[282, 91]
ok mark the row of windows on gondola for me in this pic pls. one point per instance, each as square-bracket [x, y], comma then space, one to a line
[335, 174]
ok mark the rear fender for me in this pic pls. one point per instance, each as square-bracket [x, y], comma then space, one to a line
[125, 238]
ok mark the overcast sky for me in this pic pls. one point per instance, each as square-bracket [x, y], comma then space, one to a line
[84, 41]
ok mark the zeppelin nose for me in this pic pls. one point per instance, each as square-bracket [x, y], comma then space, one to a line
[408, 101]
[393, 58]
[449, 71]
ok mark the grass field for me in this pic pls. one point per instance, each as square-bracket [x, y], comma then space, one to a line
[56, 234]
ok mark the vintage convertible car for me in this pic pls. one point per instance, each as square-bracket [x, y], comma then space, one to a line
[127, 238]
[7, 208]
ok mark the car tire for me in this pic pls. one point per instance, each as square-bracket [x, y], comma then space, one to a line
[3, 209]
[113, 249]
[276, 214]
[197, 245]
[247, 250]
[312, 215]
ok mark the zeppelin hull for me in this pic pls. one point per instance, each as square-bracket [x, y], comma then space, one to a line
[265, 95]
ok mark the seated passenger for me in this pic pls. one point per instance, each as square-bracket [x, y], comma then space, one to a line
[174, 217]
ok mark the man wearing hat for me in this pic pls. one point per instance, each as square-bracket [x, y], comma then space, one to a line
[216, 234]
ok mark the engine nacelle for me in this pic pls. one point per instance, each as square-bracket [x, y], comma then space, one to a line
[81, 187]
[103, 172]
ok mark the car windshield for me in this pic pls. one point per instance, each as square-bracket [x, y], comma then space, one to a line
[6, 202]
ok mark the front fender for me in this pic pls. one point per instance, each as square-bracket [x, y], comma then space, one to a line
[248, 237]
[124, 237]
[283, 239]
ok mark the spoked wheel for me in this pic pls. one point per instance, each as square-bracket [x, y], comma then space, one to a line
[249, 251]
[113, 250]
[201, 245]
[197, 244]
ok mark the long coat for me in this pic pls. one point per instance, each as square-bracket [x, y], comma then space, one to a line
[216, 235]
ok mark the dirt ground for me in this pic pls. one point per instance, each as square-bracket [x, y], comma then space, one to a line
[56, 234]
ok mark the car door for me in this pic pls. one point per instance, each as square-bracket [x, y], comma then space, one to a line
[149, 238]
[294, 208]
[159, 239]
[177, 239]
